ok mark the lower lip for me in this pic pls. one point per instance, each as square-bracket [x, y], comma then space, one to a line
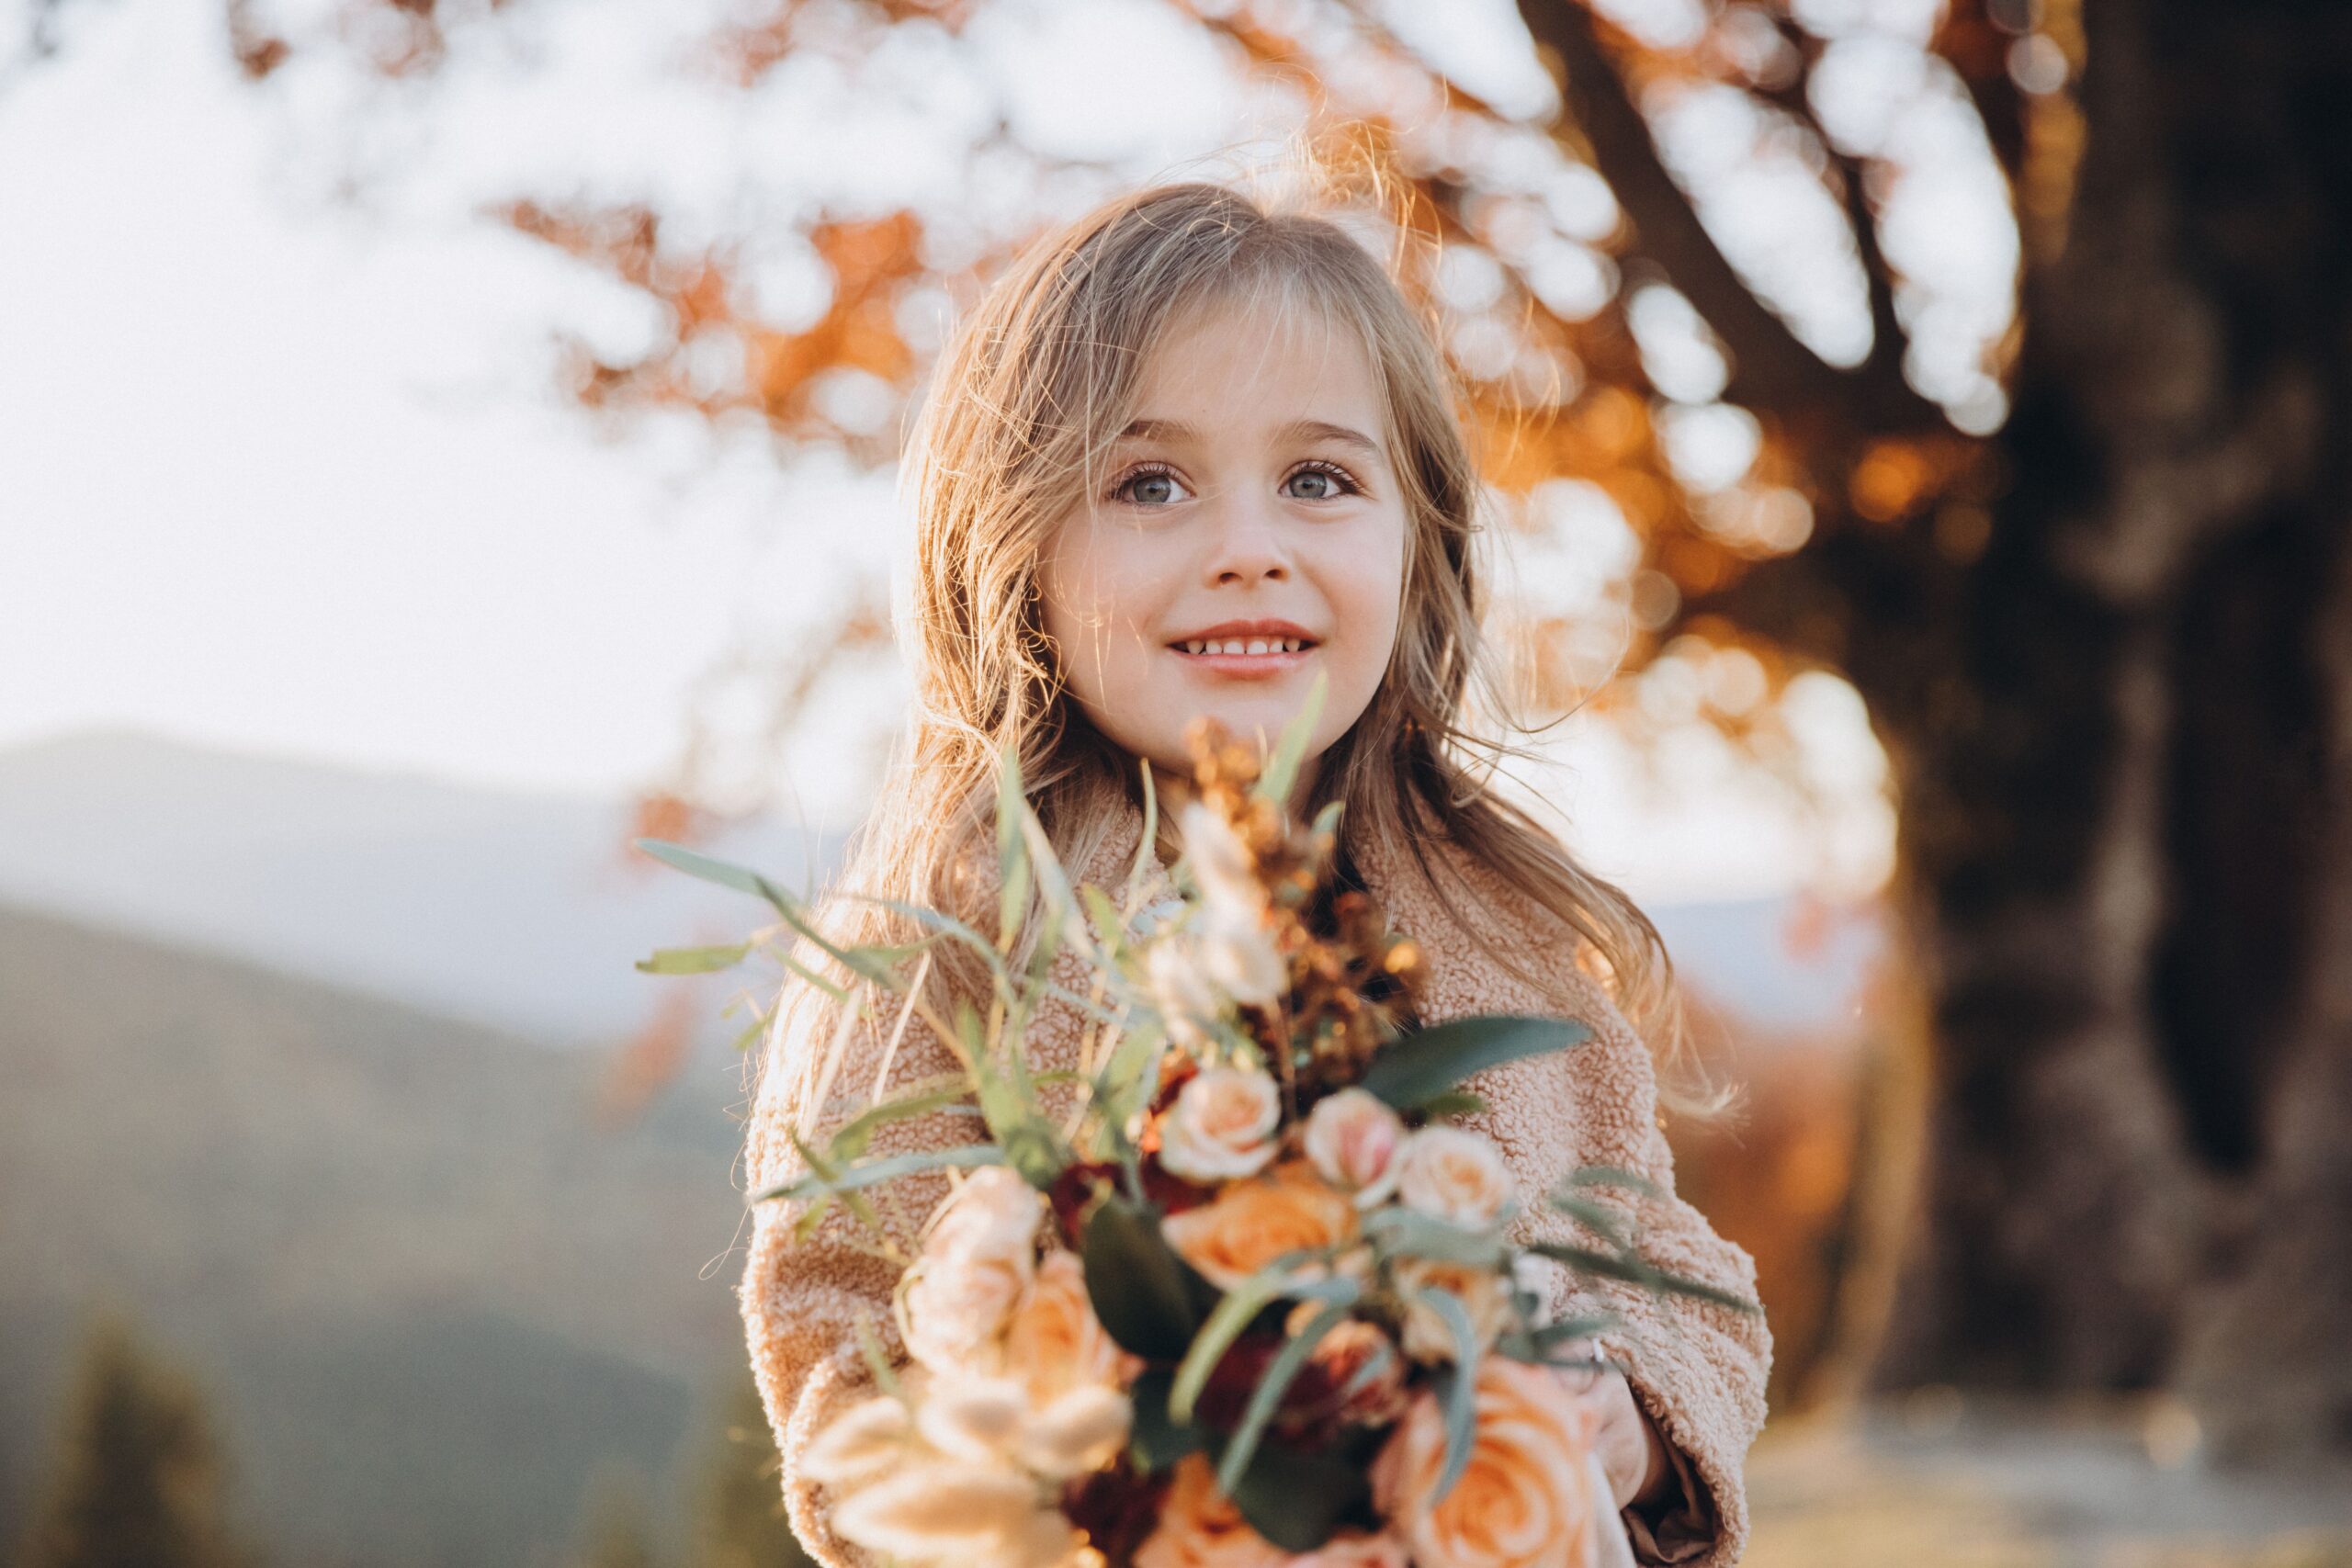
[1246, 665]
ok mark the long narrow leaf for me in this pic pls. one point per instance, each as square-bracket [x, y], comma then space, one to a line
[1231, 1315]
[1401, 1232]
[1640, 1273]
[1280, 775]
[963, 1156]
[1610, 1176]
[1271, 1385]
[1461, 1386]
[694, 960]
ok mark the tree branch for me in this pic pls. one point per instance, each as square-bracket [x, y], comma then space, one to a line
[1773, 370]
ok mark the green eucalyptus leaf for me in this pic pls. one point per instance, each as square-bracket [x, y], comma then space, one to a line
[1457, 1386]
[1154, 1442]
[1266, 1398]
[1610, 1176]
[1400, 1232]
[1136, 1281]
[1612, 1266]
[890, 1167]
[1280, 775]
[1409, 1072]
[1296, 1499]
[694, 960]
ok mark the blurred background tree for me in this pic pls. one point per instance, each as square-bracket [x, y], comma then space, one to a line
[137, 1479]
[1763, 434]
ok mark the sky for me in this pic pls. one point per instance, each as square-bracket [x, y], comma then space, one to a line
[282, 473]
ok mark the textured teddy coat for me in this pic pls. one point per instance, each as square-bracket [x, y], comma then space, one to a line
[1697, 1369]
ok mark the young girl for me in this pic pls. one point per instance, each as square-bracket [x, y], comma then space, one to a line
[1187, 454]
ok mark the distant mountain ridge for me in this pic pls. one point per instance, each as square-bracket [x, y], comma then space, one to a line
[516, 911]
[524, 912]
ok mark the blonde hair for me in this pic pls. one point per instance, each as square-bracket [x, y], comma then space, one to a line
[1024, 403]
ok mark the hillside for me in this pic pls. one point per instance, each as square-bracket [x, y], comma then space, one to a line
[429, 1294]
[516, 911]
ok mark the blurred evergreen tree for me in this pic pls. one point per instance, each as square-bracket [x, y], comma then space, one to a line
[740, 1520]
[139, 1480]
[619, 1532]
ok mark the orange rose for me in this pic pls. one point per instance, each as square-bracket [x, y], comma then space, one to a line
[1055, 1342]
[1250, 1223]
[1525, 1500]
[1199, 1528]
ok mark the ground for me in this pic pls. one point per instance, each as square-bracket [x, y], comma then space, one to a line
[1935, 1482]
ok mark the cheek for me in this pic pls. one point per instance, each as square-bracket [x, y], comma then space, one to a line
[1092, 592]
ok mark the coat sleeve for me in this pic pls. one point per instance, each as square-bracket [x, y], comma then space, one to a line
[801, 1297]
[1697, 1369]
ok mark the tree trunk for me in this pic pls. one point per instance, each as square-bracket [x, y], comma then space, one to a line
[2124, 738]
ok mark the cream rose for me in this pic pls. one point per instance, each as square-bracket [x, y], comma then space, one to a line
[1253, 1222]
[1221, 863]
[1454, 1174]
[1525, 1499]
[951, 1311]
[1199, 1528]
[1054, 1343]
[1483, 1294]
[1222, 1125]
[1237, 954]
[1352, 1137]
[978, 1259]
[1183, 992]
[993, 1211]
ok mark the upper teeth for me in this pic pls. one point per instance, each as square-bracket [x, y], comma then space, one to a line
[1249, 645]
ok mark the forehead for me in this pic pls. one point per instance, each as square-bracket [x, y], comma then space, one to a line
[1228, 367]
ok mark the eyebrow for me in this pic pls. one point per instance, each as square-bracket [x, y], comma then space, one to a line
[1307, 429]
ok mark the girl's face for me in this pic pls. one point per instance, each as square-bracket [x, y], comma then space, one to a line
[1251, 533]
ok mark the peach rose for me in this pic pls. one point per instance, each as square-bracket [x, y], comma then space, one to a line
[1253, 1222]
[1055, 1342]
[1199, 1528]
[1483, 1294]
[1344, 1353]
[1352, 1137]
[1354, 1549]
[1525, 1500]
[1453, 1174]
[1222, 1125]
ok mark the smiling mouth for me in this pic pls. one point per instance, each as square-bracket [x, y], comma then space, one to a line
[1243, 647]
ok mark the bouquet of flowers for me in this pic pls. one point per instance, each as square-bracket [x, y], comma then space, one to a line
[1251, 1299]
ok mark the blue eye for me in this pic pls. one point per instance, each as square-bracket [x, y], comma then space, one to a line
[1333, 475]
[1148, 474]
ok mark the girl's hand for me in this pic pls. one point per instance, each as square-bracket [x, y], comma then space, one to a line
[1633, 1455]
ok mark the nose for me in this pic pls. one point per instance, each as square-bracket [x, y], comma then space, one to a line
[1246, 543]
